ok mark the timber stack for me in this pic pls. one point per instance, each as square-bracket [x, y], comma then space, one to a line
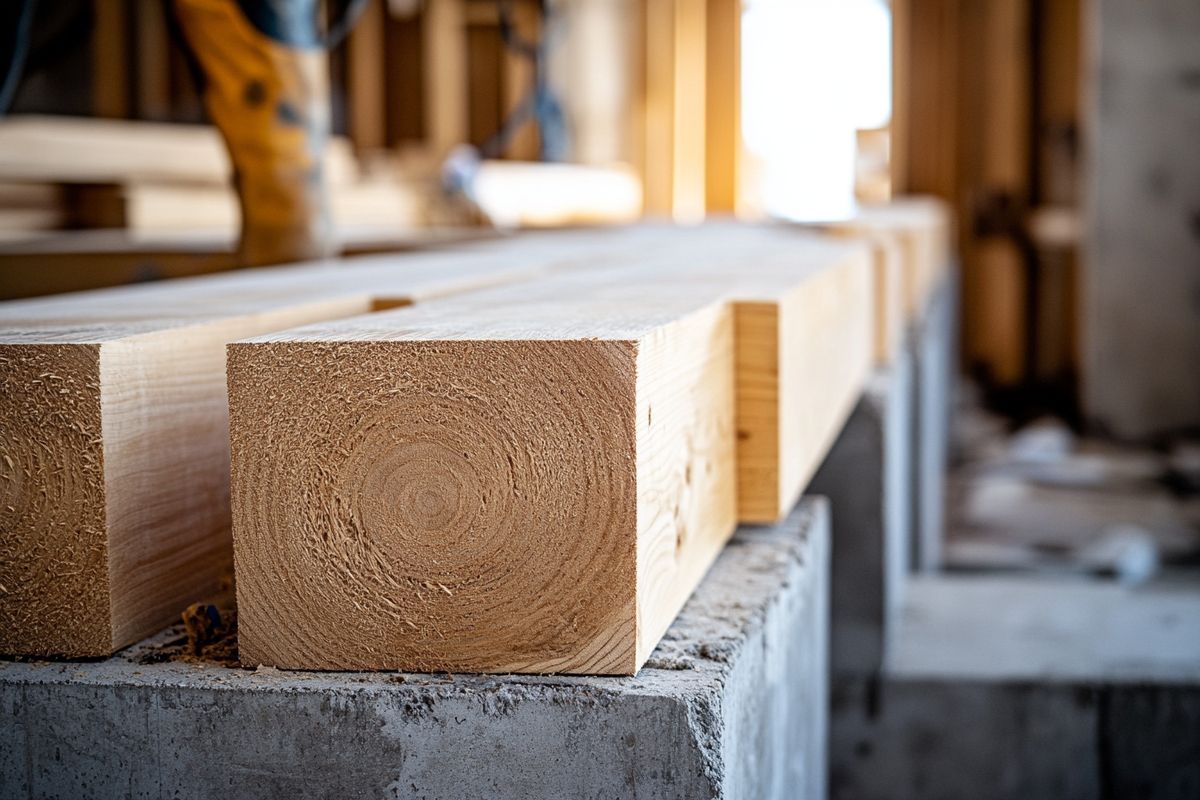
[513, 456]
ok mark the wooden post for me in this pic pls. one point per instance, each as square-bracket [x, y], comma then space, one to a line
[723, 135]
[445, 71]
[110, 50]
[365, 79]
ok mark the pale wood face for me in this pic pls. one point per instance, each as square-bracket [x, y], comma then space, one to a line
[461, 505]
[53, 547]
[688, 482]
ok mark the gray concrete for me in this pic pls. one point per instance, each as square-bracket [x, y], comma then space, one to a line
[867, 477]
[1003, 687]
[732, 704]
[1141, 281]
[1053, 629]
[932, 339]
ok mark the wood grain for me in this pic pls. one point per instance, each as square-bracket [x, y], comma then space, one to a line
[533, 478]
[53, 570]
[115, 451]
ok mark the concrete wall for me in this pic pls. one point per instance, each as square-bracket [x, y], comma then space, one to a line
[1012, 686]
[732, 704]
[909, 739]
[867, 477]
[1141, 285]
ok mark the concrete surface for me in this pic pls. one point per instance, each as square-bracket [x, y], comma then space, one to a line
[992, 628]
[1141, 288]
[868, 480]
[732, 704]
[932, 340]
[1003, 687]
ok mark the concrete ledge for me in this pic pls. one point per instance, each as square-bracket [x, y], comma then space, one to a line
[1004, 687]
[733, 703]
[932, 339]
[868, 481]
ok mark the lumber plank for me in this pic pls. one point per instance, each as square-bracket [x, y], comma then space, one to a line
[148, 207]
[85, 150]
[533, 478]
[114, 449]
[888, 255]
[922, 225]
[70, 261]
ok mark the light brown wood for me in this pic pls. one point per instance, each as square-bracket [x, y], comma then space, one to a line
[517, 80]
[69, 261]
[81, 150]
[970, 140]
[592, 72]
[888, 257]
[688, 126]
[114, 447]
[365, 64]
[723, 103]
[923, 227]
[534, 478]
[816, 332]
[656, 120]
[997, 326]
[899, 127]
[670, 129]
[445, 75]
[147, 207]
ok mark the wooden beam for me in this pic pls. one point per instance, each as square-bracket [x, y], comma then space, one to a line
[110, 51]
[657, 118]
[82, 150]
[723, 105]
[672, 135]
[365, 68]
[446, 90]
[534, 479]
[114, 441]
[816, 332]
[923, 228]
[890, 260]
[689, 153]
[73, 261]
[153, 207]
[518, 79]
[592, 71]
[899, 126]
[999, 318]
[114, 428]
[929, 147]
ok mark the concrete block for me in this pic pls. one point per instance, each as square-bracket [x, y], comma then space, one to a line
[1003, 687]
[904, 740]
[868, 480]
[732, 704]
[992, 740]
[933, 345]
[1149, 739]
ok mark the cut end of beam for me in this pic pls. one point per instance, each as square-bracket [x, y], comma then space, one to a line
[436, 505]
[54, 571]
